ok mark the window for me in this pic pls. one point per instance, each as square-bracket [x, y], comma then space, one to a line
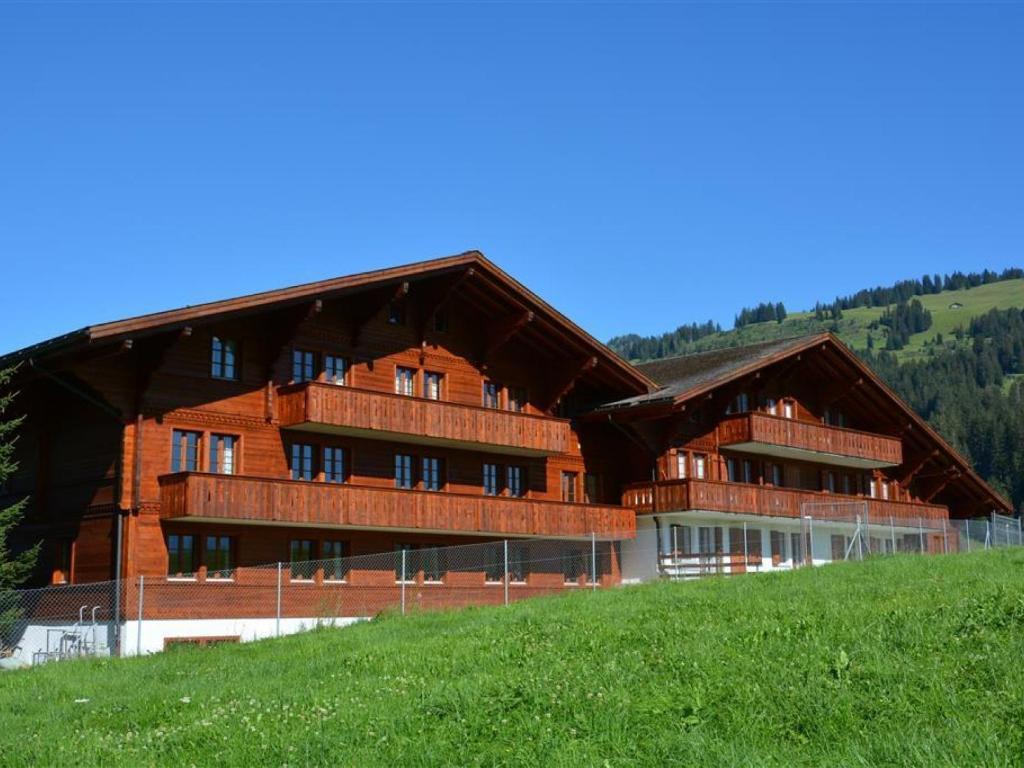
[405, 381]
[700, 466]
[748, 471]
[739, 404]
[830, 481]
[432, 385]
[771, 406]
[681, 544]
[334, 554]
[334, 464]
[514, 480]
[223, 356]
[184, 451]
[778, 544]
[569, 481]
[681, 472]
[834, 417]
[301, 553]
[788, 409]
[302, 461]
[181, 555]
[732, 468]
[517, 399]
[775, 475]
[490, 479]
[303, 365]
[222, 454]
[396, 313]
[572, 565]
[491, 395]
[592, 488]
[217, 557]
[405, 563]
[336, 370]
[847, 483]
[430, 559]
[403, 470]
[709, 540]
[431, 473]
[518, 562]
[494, 568]
[441, 320]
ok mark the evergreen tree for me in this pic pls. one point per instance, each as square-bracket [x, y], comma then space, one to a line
[14, 569]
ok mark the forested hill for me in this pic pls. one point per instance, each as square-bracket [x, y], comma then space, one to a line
[957, 356]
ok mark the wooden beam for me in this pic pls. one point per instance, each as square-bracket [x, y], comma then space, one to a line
[439, 300]
[562, 389]
[375, 304]
[917, 467]
[501, 333]
[947, 477]
[149, 356]
[282, 330]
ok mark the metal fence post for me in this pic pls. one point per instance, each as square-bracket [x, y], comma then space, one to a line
[138, 624]
[1020, 533]
[593, 561]
[506, 571]
[945, 541]
[403, 581]
[810, 538]
[967, 522]
[746, 555]
[988, 534]
[920, 534]
[892, 534]
[867, 528]
[277, 614]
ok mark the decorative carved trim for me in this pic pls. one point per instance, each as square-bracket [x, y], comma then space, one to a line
[214, 418]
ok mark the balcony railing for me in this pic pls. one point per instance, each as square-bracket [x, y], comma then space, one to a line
[290, 502]
[766, 434]
[743, 498]
[346, 410]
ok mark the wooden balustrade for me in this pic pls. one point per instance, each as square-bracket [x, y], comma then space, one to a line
[289, 502]
[743, 498]
[761, 428]
[414, 419]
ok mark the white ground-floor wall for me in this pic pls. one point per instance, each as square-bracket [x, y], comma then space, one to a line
[40, 642]
[682, 544]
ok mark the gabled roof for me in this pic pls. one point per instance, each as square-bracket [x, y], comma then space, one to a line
[684, 378]
[483, 271]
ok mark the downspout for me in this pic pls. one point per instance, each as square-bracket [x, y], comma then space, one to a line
[118, 487]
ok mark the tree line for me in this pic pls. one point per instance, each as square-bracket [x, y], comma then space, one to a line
[677, 342]
[762, 313]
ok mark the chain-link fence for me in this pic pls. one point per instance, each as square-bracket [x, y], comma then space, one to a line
[231, 604]
[150, 613]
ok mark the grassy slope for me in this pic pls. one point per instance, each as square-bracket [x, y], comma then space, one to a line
[904, 661]
[853, 328]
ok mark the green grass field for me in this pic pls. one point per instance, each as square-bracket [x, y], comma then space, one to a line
[853, 327]
[899, 661]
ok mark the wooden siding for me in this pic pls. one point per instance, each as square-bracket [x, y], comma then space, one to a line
[352, 409]
[790, 433]
[230, 497]
[677, 495]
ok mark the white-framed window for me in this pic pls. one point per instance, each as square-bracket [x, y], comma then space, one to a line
[788, 409]
[405, 381]
[700, 466]
[432, 385]
[222, 454]
[681, 468]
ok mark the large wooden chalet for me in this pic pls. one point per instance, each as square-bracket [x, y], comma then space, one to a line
[441, 403]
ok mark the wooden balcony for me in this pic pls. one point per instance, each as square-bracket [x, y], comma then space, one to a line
[744, 498]
[319, 407]
[200, 496]
[787, 438]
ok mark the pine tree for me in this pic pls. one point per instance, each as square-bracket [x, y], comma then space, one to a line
[14, 569]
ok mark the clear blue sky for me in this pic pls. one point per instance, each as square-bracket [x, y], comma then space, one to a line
[639, 165]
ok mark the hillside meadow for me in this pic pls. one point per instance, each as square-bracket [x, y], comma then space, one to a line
[898, 661]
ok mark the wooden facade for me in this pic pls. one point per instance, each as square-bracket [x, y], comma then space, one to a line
[436, 403]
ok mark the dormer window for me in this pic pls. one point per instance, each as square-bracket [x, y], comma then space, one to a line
[739, 404]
